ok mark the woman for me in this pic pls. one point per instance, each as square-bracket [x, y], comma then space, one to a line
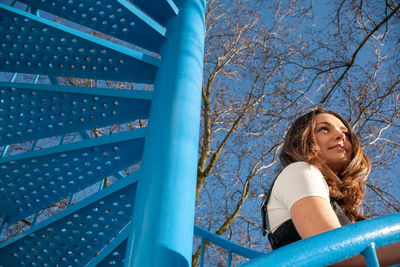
[322, 184]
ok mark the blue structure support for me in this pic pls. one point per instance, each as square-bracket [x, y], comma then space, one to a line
[370, 255]
[336, 245]
[162, 227]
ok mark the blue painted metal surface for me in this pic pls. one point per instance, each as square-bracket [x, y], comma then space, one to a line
[31, 44]
[35, 180]
[333, 246]
[165, 9]
[114, 253]
[370, 255]
[119, 19]
[164, 211]
[29, 112]
[321, 250]
[155, 42]
[77, 235]
[226, 244]
[229, 246]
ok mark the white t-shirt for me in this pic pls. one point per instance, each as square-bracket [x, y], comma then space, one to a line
[298, 180]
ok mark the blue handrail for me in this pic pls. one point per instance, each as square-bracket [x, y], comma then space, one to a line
[229, 246]
[320, 250]
[336, 245]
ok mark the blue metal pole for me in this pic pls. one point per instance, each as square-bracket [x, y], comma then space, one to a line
[229, 258]
[163, 220]
[370, 256]
[202, 253]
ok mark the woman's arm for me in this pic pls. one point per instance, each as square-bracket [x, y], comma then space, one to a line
[314, 215]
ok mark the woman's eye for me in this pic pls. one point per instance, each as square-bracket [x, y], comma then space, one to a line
[325, 129]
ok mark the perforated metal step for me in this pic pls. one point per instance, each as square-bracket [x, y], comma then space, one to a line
[30, 44]
[76, 235]
[114, 253]
[116, 257]
[30, 112]
[160, 10]
[120, 19]
[34, 180]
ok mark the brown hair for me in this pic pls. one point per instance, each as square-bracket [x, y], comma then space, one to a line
[346, 187]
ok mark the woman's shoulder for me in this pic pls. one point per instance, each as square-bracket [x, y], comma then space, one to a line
[300, 172]
[298, 180]
[301, 168]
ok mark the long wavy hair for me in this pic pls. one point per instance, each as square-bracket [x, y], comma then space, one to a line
[346, 187]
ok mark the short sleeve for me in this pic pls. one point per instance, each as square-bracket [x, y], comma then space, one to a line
[299, 180]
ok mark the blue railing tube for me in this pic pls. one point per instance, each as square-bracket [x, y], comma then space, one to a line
[229, 246]
[163, 220]
[336, 245]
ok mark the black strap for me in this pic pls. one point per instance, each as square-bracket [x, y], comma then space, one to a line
[264, 212]
[342, 217]
[266, 229]
[287, 233]
[284, 235]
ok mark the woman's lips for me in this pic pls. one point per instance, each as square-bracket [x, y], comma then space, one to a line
[338, 146]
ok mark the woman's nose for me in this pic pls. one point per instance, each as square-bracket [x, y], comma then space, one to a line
[340, 135]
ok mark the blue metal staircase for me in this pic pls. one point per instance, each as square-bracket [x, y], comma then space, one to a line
[46, 47]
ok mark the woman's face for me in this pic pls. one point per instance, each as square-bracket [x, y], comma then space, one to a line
[332, 138]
